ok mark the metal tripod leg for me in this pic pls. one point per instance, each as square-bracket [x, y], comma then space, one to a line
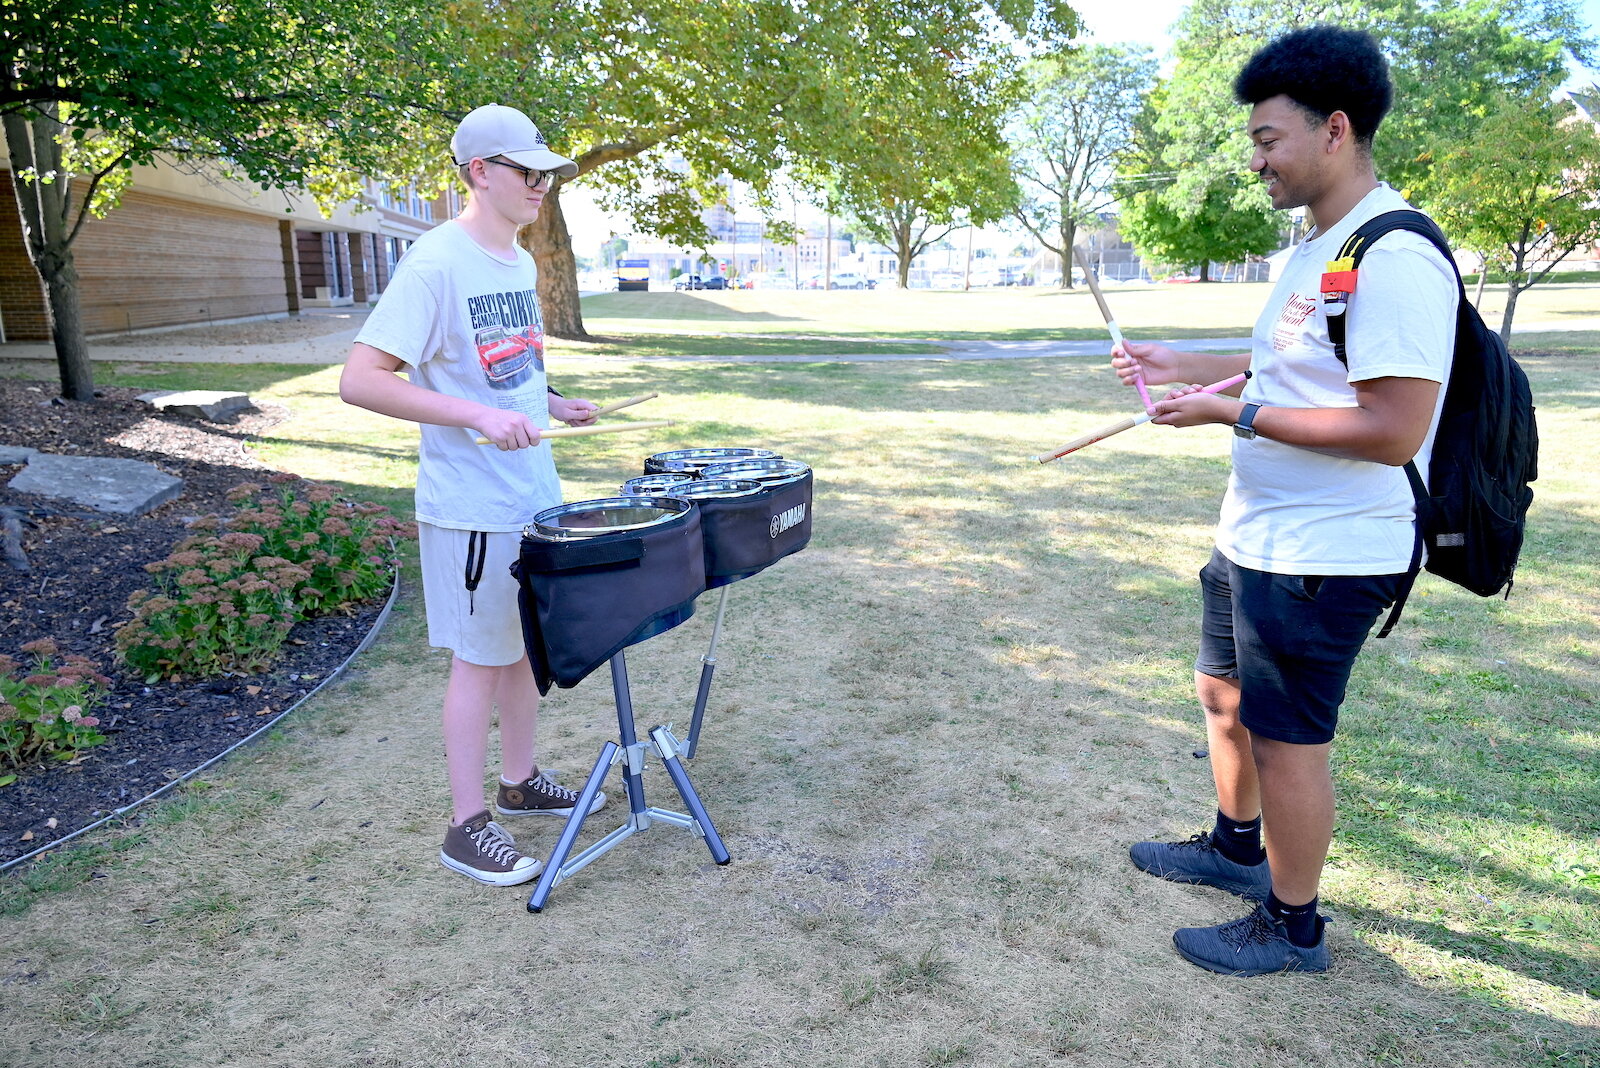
[556, 868]
[667, 746]
[708, 665]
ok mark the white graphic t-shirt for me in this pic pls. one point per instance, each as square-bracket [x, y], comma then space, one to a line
[468, 325]
[1292, 511]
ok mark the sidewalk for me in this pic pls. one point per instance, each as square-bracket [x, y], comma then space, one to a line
[188, 345]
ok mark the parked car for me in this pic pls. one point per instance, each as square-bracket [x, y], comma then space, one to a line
[715, 283]
[850, 280]
[688, 281]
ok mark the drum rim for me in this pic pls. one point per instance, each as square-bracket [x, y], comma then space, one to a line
[674, 508]
[746, 452]
[795, 470]
[675, 476]
[747, 487]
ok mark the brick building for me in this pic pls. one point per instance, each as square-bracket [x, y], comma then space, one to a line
[184, 247]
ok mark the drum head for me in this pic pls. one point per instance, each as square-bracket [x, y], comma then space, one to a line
[661, 484]
[693, 460]
[608, 515]
[716, 489]
[769, 472]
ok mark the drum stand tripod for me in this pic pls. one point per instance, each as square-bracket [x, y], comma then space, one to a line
[708, 666]
[641, 817]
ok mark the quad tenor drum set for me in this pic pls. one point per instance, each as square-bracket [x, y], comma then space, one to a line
[599, 576]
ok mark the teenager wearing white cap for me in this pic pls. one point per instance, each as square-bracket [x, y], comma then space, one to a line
[461, 320]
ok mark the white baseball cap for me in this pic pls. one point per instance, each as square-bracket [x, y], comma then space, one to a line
[496, 130]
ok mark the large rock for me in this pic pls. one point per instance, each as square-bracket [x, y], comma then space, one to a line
[124, 487]
[16, 454]
[213, 405]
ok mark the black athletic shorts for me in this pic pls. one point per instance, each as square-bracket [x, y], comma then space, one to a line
[1290, 640]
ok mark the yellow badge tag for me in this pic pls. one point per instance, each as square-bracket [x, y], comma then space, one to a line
[1346, 264]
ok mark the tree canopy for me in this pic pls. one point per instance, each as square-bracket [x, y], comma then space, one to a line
[296, 95]
[1524, 193]
[756, 89]
[1449, 62]
[1077, 116]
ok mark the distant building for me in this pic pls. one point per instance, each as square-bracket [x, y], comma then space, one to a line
[185, 247]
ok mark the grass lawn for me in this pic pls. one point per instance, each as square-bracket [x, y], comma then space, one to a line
[932, 736]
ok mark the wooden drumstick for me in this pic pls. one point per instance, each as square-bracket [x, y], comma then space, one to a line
[619, 405]
[1129, 423]
[1105, 313]
[581, 431]
[1096, 435]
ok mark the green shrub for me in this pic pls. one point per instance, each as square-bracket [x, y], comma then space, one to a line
[218, 607]
[226, 598]
[44, 714]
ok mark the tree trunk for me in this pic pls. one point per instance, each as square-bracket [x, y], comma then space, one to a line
[1512, 293]
[1516, 282]
[551, 245]
[1205, 270]
[902, 251]
[1069, 234]
[66, 329]
[44, 208]
[1483, 276]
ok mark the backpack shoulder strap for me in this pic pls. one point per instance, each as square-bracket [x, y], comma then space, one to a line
[1367, 234]
[1354, 248]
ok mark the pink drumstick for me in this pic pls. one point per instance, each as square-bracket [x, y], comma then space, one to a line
[1130, 422]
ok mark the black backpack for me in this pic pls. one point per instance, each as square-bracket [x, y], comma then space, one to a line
[1472, 511]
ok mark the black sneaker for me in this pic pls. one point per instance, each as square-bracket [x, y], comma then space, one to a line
[481, 849]
[1254, 945]
[540, 796]
[1199, 861]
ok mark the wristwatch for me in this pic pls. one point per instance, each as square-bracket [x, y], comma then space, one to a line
[1245, 427]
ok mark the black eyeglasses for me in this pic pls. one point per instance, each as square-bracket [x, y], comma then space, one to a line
[533, 178]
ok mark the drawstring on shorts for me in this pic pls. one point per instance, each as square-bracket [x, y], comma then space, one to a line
[477, 549]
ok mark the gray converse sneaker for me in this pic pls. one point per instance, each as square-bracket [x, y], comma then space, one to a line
[1254, 945]
[1199, 861]
[481, 849]
[540, 796]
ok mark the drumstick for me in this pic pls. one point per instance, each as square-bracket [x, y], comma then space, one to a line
[1129, 423]
[608, 409]
[580, 431]
[1111, 322]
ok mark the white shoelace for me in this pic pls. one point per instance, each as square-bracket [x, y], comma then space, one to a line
[490, 842]
[560, 793]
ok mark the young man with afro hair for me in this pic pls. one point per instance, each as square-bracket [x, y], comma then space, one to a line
[1317, 530]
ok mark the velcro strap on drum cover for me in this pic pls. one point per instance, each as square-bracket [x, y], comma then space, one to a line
[543, 557]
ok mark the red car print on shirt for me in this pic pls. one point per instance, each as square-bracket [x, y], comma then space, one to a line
[506, 357]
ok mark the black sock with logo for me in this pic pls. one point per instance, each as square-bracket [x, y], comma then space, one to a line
[1300, 922]
[1239, 842]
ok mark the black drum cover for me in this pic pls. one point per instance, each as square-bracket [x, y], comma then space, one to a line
[587, 599]
[746, 534]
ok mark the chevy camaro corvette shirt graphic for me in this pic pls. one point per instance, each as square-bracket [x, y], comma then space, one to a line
[509, 335]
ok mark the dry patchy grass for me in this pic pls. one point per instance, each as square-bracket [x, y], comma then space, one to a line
[932, 736]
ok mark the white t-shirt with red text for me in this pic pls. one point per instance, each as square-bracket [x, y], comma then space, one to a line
[1292, 511]
[467, 323]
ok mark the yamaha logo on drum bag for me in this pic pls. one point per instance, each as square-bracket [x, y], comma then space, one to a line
[789, 517]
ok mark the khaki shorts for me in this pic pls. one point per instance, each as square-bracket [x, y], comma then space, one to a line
[480, 626]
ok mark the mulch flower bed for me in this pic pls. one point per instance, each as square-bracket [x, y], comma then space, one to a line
[81, 568]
